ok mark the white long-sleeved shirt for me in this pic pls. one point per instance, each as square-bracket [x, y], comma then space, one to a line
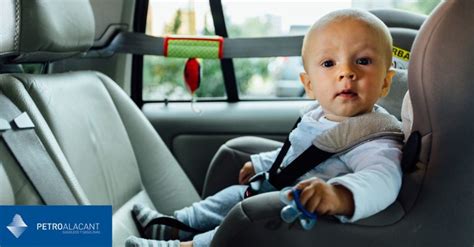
[371, 170]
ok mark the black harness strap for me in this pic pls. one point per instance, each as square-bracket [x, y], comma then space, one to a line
[280, 178]
[20, 137]
[411, 152]
[306, 161]
[283, 151]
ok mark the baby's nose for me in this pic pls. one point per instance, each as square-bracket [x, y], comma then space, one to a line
[349, 74]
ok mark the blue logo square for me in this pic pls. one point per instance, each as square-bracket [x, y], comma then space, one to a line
[55, 226]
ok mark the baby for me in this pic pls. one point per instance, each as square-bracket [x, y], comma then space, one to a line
[347, 56]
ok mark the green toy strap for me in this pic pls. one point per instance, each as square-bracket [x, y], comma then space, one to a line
[193, 47]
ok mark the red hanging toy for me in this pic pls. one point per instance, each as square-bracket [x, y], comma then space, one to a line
[192, 79]
[192, 75]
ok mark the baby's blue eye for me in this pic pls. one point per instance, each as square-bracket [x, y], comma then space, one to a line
[327, 63]
[364, 61]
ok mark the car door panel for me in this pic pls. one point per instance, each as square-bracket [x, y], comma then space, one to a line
[195, 137]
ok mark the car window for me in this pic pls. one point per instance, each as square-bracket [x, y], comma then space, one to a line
[256, 78]
[269, 78]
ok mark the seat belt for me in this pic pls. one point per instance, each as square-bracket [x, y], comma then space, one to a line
[18, 133]
[143, 44]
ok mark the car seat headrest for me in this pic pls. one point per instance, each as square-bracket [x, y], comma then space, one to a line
[45, 30]
[399, 18]
[440, 76]
[404, 28]
[393, 101]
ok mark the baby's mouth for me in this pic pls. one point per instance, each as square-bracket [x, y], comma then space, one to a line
[347, 94]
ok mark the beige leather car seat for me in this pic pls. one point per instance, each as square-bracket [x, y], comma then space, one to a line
[100, 141]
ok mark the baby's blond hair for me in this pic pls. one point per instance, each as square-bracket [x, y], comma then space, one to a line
[365, 17]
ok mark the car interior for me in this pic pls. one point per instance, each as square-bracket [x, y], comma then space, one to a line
[79, 132]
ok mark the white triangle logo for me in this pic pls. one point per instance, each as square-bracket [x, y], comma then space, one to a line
[17, 226]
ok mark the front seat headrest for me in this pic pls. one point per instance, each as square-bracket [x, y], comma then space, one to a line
[45, 30]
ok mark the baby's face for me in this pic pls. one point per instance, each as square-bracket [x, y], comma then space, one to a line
[346, 68]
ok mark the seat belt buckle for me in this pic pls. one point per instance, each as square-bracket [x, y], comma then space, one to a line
[23, 121]
[258, 184]
[258, 177]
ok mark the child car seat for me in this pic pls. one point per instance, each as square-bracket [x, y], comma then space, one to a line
[436, 201]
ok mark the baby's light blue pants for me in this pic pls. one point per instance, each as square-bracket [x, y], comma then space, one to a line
[209, 213]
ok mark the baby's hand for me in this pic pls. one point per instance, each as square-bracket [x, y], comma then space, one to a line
[322, 198]
[246, 173]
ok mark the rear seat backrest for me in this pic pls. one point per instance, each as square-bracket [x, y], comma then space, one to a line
[107, 143]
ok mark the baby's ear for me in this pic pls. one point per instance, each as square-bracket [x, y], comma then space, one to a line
[308, 88]
[387, 82]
